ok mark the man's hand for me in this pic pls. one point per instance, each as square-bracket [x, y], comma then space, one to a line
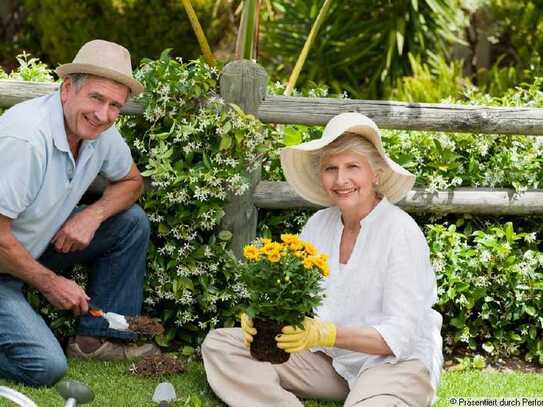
[314, 333]
[248, 329]
[78, 231]
[65, 294]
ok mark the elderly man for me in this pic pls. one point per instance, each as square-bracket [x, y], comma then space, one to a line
[51, 149]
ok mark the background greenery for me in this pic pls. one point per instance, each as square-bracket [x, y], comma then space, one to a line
[475, 52]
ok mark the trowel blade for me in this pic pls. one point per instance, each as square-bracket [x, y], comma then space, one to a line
[116, 321]
[164, 392]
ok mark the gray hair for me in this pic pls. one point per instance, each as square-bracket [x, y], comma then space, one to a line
[79, 79]
[354, 143]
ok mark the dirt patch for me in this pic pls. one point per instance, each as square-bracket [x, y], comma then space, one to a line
[264, 346]
[144, 325]
[157, 365]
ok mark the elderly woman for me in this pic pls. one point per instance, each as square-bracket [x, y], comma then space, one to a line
[375, 340]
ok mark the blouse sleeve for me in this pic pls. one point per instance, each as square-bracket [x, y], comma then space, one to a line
[407, 288]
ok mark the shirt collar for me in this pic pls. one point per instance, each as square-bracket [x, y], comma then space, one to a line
[376, 212]
[57, 124]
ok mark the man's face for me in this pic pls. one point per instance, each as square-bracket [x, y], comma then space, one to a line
[93, 109]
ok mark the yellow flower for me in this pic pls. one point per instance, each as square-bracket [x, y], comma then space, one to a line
[289, 238]
[319, 262]
[265, 241]
[310, 249]
[274, 257]
[325, 271]
[298, 254]
[308, 263]
[272, 248]
[296, 245]
[251, 252]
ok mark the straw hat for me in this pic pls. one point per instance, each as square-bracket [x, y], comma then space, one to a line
[300, 172]
[105, 59]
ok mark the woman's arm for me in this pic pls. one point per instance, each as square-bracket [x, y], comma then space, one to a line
[366, 340]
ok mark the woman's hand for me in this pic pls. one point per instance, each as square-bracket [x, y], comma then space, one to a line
[314, 333]
[248, 329]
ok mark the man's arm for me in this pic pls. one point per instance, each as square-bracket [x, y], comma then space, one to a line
[18, 262]
[79, 230]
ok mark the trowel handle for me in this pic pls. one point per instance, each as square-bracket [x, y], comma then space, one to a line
[71, 402]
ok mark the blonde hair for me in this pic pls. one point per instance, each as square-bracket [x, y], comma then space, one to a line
[354, 143]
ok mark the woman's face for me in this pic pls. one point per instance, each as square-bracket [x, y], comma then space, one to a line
[348, 179]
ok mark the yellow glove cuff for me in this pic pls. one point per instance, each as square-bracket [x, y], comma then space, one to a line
[329, 335]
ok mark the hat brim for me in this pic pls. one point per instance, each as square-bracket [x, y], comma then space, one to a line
[135, 87]
[301, 173]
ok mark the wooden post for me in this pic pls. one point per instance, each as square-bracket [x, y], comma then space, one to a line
[243, 82]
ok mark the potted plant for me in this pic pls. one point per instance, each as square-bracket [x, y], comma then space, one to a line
[283, 284]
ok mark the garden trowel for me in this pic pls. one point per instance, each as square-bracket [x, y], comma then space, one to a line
[115, 321]
[164, 393]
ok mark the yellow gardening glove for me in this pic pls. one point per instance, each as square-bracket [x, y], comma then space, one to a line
[248, 329]
[314, 333]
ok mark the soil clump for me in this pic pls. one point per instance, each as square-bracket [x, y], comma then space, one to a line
[157, 365]
[144, 325]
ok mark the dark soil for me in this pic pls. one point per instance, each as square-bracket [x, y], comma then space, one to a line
[264, 347]
[144, 325]
[157, 365]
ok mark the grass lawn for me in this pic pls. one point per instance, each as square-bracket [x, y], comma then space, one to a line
[115, 386]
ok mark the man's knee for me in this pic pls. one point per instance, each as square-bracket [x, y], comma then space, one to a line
[44, 371]
[138, 220]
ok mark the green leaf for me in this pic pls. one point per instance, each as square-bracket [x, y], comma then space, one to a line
[188, 351]
[163, 229]
[225, 235]
[479, 362]
[488, 347]
[291, 136]
[226, 143]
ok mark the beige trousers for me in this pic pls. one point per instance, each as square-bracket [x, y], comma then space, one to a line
[241, 381]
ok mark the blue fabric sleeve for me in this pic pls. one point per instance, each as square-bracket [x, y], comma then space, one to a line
[21, 174]
[118, 159]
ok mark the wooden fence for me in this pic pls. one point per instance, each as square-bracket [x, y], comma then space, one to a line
[244, 83]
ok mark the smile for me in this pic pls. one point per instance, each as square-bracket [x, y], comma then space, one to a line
[91, 122]
[344, 192]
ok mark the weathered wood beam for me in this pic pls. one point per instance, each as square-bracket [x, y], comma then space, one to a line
[409, 116]
[243, 82]
[13, 92]
[279, 195]
[317, 111]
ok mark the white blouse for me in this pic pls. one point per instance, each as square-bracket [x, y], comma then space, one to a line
[388, 284]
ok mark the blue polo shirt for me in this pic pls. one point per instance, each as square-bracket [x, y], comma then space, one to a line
[40, 182]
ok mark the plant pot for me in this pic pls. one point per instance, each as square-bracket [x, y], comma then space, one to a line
[264, 347]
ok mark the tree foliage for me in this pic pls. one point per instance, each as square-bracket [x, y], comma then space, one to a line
[363, 45]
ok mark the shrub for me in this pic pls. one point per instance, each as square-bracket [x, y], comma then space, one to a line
[490, 290]
[145, 27]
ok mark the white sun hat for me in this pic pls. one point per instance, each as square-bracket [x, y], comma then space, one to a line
[105, 59]
[302, 175]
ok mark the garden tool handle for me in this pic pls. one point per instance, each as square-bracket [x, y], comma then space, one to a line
[71, 402]
[95, 312]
